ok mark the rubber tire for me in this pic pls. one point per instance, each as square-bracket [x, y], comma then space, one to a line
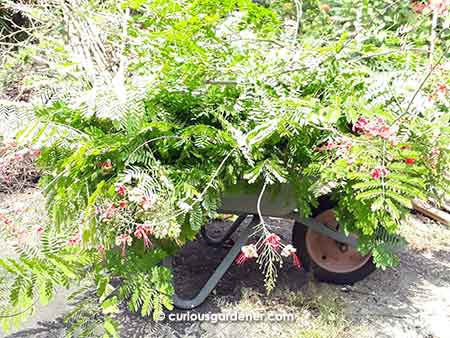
[321, 274]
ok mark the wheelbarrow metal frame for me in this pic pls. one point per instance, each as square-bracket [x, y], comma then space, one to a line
[279, 202]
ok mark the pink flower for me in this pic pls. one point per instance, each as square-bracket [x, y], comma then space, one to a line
[379, 172]
[109, 213]
[39, 229]
[343, 147]
[410, 160]
[385, 132]
[435, 152]
[150, 229]
[123, 204]
[101, 248]
[330, 145]
[147, 202]
[74, 240]
[247, 252]
[121, 190]
[18, 157]
[123, 240]
[418, 7]
[141, 232]
[439, 6]
[374, 128]
[7, 221]
[273, 240]
[35, 152]
[360, 125]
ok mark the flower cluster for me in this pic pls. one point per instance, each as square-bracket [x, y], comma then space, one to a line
[440, 92]
[20, 233]
[374, 128]
[440, 7]
[75, 240]
[273, 242]
[342, 145]
[123, 240]
[123, 211]
[142, 231]
[106, 166]
[379, 172]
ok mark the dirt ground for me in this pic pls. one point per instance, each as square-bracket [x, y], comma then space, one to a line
[411, 300]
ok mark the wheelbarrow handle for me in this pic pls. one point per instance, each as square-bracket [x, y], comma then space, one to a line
[186, 304]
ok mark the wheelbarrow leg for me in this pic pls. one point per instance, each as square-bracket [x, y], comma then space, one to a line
[183, 303]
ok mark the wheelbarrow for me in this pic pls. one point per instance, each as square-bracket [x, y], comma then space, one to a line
[321, 244]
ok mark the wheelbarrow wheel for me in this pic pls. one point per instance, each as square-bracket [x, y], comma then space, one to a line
[329, 260]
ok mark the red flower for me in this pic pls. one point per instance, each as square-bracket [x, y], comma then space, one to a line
[141, 232]
[247, 252]
[39, 230]
[379, 172]
[273, 240]
[123, 204]
[296, 261]
[123, 240]
[410, 160]
[105, 165]
[289, 250]
[442, 88]
[121, 190]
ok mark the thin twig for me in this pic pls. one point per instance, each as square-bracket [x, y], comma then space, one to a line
[434, 21]
[221, 82]
[258, 204]
[299, 14]
[425, 79]
[152, 140]
[21, 312]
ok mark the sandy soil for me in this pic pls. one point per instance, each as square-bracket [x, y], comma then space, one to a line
[411, 300]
